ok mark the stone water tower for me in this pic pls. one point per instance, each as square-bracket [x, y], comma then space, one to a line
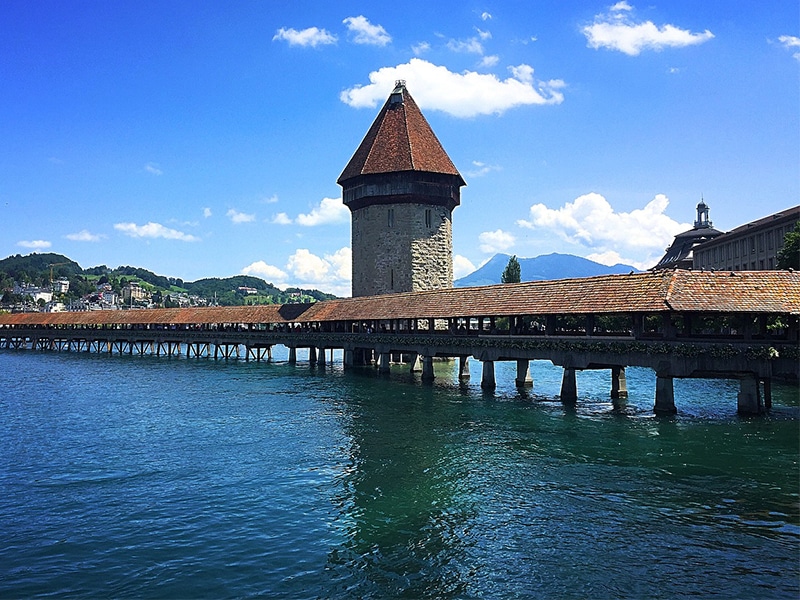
[401, 188]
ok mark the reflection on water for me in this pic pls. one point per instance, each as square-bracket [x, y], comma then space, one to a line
[191, 478]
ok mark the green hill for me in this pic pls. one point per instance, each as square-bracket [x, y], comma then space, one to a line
[41, 269]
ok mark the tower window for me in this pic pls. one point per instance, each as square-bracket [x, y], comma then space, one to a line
[428, 218]
[391, 218]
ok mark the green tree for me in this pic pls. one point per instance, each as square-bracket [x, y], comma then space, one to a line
[789, 254]
[512, 273]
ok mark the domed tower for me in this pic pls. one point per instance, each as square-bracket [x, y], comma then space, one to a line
[680, 253]
[401, 188]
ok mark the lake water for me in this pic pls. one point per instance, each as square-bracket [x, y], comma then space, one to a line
[191, 478]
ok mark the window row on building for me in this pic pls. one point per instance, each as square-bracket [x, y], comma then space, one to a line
[751, 247]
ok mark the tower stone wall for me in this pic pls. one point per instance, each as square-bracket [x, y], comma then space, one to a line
[404, 247]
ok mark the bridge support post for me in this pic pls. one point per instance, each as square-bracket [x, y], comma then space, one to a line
[569, 386]
[312, 355]
[321, 357]
[619, 385]
[384, 360]
[767, 393]
[749, 401]
[427, 368]
[463, 368]
[665, 396]
[292, 355]
[487, 381]
[524, 373]
[348, 358]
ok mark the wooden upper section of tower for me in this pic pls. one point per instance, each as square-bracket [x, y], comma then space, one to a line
[399, 140]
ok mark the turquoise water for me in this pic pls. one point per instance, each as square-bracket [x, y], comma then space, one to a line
[152, 477]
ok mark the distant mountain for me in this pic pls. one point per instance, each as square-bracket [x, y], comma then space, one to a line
[549, 266]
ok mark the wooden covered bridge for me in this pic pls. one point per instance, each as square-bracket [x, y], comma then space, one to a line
[741, 325]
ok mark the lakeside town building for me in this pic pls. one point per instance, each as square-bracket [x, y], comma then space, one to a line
[680, 254]
[61, 286]
[753, 246]
[133, 291]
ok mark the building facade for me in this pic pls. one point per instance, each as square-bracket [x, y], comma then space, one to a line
[680, 254]
[401, 189]
[134, 292]
[751, 247]
[61, 286]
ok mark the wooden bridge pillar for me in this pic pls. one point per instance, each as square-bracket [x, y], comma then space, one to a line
[312, 355]
[463, 368]
[619, 384]
[665, 396]
[384, 360]
[767, 393]
[321, 356]
[524, 373]
[488, 381]
[569, 386]
[427, 368]
[292, 355]
[348, 357]
[749, 401]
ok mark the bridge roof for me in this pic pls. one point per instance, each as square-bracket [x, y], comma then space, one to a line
[771, 292]
[762, 292]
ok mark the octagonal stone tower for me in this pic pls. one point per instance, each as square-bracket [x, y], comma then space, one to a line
[401, 188]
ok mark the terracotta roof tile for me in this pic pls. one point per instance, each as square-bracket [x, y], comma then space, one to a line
[400, 139]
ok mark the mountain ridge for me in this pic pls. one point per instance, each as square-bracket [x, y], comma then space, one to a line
[540, 268]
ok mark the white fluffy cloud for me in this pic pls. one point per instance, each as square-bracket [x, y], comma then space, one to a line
[331, 273]
[637, 238]
[265, 271]
[496, 241]
[330, 210]
[471, 45]
[365, 32]
[281, 219]
[85, 236]
[480, 169]
[239, 217]
[462, 266]
[791, 43]
[154, 230]
[463, 95]
[307, 266]
[489, 61]
[420, 48]
[311, 36]
[207, 212]
[34, 244]
[616, 30]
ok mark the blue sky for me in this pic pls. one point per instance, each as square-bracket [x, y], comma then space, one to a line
[204, 139]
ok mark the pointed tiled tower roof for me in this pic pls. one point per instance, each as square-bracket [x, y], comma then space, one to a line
[400, 139]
